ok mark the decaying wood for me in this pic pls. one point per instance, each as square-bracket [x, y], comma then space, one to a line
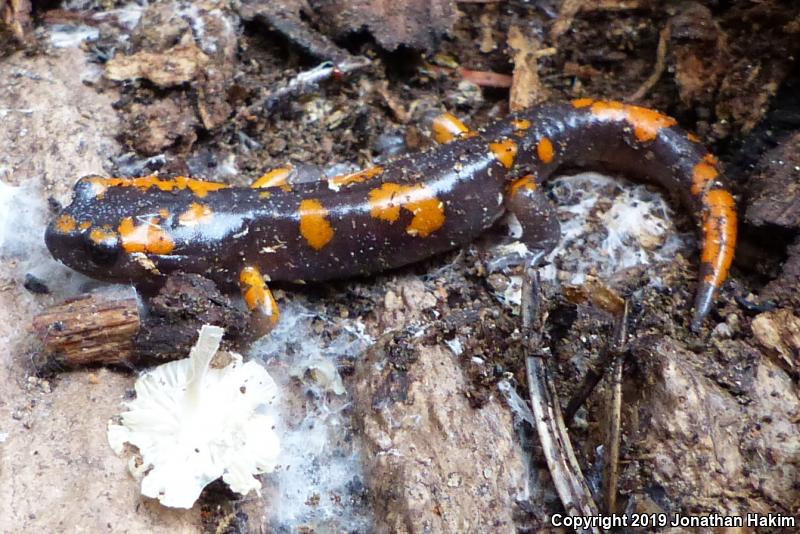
[91, 329]
[112, 328]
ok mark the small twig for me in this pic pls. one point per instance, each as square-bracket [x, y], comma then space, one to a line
[308, 81]
[567, 478]
[611, 477]
[658, 69]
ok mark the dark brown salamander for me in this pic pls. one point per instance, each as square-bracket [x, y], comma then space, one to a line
[137, 230]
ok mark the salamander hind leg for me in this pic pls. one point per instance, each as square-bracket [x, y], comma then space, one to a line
[537, 217]
[259, 300]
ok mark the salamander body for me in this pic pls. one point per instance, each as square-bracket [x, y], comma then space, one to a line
[139, 230]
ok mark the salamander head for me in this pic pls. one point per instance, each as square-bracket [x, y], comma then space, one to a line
[98, 235]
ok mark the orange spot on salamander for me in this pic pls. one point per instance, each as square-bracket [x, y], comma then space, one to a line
[646, 122]
[85, 225]
[692, 137]
[337, 182]
[447, 127]
[147, 237]
[199, 187]
[66, 224]
[314, 224]
[427, 210]
[582, 102]
[385, 202]
[275, 178]
[704, 173]
[196, 214]
[527, 182]
[505, 151]
[103, 235]
[521, 124]
[545, 150]
[719, 233]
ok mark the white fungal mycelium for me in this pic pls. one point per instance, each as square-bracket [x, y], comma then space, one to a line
[193, 423]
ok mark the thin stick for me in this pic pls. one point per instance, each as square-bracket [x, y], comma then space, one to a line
[309, 80]
[611, 477]
[658, 69]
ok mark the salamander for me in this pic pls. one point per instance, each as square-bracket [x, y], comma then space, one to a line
[138, 230]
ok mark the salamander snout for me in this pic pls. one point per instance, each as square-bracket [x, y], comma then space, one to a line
[77, 243]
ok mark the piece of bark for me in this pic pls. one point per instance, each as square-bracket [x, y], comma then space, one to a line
[90, 329]
[175, 66]
[167, 123]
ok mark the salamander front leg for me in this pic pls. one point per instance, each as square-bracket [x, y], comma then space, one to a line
[541, 230]
[259, 300]
[447, 128]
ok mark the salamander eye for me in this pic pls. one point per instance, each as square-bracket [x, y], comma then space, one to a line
[102, 252]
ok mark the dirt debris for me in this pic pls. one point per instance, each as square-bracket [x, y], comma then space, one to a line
[700, 51]
[171, 47]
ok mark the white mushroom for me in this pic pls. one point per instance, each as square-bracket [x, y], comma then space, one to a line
[193, 424]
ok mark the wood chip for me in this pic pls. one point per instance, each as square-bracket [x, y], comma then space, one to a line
[95, 328]
[15, 18]
[178, 65]
[526, 89]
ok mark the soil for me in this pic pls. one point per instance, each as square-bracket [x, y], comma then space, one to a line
[711, 421]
